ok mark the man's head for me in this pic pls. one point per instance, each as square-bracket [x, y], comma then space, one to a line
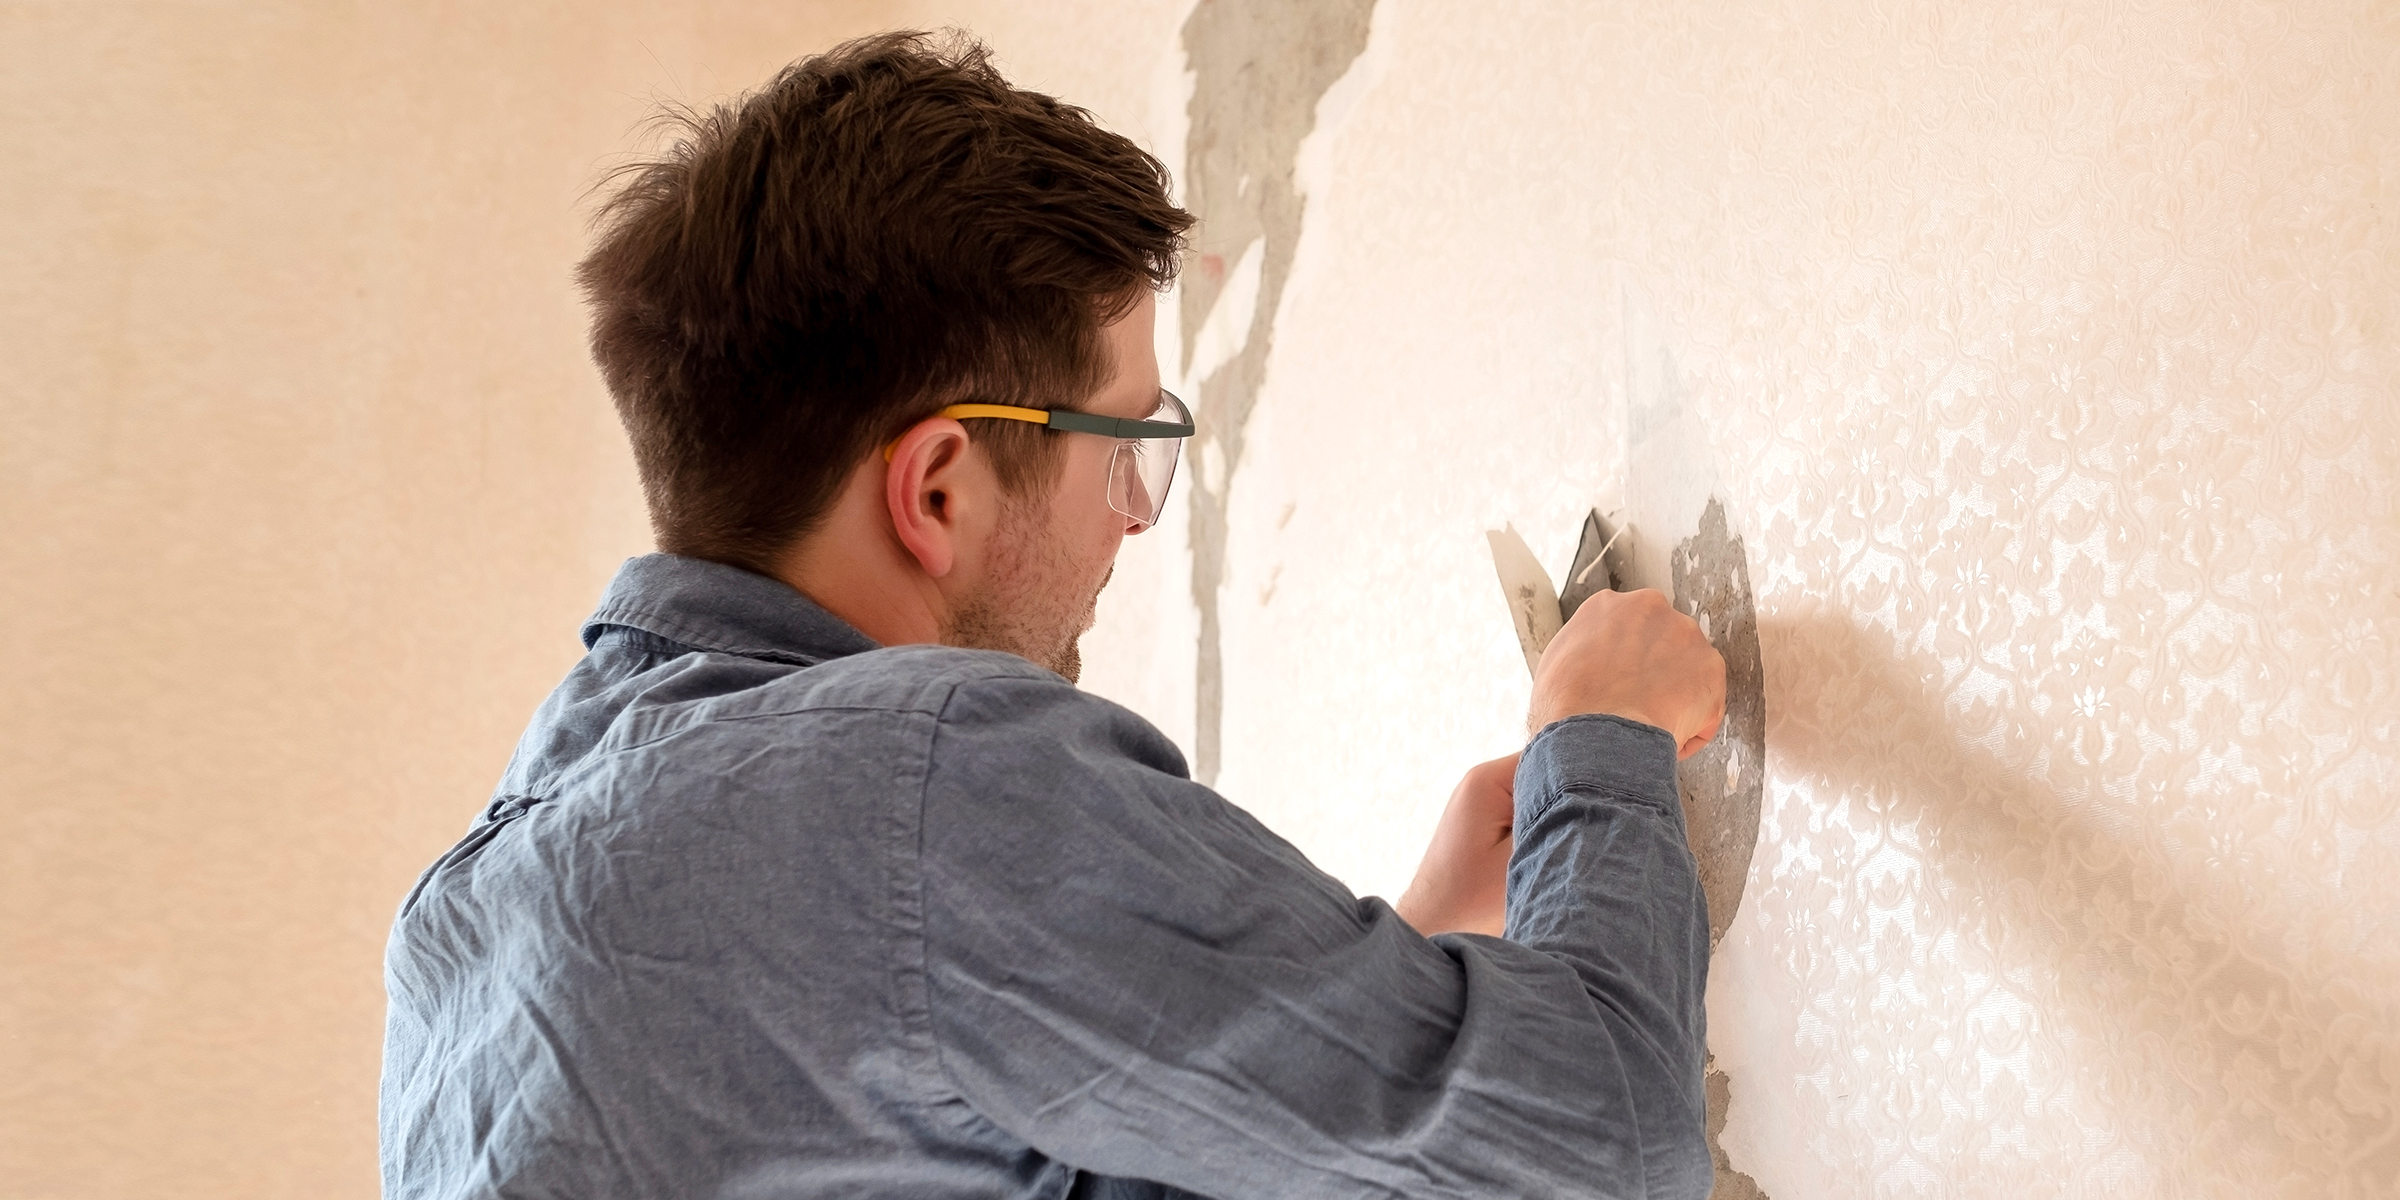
[1048, 554]
[818, 268]
[882, 230]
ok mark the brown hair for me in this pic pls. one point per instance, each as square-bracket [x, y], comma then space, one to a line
[812, 268]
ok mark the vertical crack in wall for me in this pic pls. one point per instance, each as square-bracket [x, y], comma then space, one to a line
[1260, 70]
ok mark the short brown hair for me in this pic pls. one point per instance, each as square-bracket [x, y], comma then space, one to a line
[812, 268]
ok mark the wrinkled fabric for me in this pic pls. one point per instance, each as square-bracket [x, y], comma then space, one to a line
[762, 910]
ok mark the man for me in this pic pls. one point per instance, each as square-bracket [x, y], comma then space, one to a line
[817, 877]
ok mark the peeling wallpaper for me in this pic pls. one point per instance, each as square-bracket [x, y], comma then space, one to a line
[2046, 352]
[1259, 72]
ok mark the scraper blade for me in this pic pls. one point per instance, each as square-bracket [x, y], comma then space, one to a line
[1532, 605]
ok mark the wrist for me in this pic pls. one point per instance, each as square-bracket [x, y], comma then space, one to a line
[1596, 753]
[1538, 722]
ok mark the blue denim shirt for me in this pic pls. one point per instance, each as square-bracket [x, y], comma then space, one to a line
[763, 910]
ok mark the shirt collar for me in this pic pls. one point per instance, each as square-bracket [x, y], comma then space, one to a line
[711, 606]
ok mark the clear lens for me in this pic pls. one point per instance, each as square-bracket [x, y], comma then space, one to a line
[1141, 469]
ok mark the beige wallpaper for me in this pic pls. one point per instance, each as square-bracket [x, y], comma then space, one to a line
[2047, 351]
[304, 486]
[2046, 348]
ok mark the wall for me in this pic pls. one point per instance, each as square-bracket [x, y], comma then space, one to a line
[2045, 348]
[2047, 353]
[305, 484]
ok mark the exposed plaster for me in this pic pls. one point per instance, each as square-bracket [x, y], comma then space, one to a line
[1724, 783]
[1259, 72]
[1684, 545]
[1731, 1184]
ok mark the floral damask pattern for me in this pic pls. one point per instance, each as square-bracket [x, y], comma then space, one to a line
[2052, 349]
[2048, 351]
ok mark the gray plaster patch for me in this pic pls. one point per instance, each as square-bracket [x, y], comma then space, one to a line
[1722, 785]
[1731, 1184]
[1259, 71]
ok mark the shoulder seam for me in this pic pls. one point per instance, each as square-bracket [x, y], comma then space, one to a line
[944, 1087]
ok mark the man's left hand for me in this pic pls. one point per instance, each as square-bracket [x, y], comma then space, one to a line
[1462, 884]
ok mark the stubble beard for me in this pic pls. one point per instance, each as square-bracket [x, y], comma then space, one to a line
[1036, 605]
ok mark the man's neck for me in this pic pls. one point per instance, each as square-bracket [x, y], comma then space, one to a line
[853, 566]
[871, 597]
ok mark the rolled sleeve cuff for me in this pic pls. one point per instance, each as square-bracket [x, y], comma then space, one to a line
[1602, 754]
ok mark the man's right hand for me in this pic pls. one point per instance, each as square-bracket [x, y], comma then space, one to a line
[1631, 655]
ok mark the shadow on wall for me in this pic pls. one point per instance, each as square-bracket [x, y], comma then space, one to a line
[2193, 1039]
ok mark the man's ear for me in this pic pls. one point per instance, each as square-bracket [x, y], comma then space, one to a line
[922, 492]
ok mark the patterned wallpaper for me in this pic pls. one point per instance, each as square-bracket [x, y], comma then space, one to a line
[2048, 350]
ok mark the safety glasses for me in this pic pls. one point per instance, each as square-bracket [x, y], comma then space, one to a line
[1142, 466]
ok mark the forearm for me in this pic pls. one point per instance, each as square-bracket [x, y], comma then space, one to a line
[1602, 880]
[1131, 975]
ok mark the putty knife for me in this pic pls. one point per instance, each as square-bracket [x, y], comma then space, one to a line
[1671, 533]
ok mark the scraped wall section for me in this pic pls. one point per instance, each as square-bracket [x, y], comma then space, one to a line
[2048, 352]
[1259, 72]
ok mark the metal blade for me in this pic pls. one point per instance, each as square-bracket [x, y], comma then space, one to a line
[1532, 605]
[1600, 558]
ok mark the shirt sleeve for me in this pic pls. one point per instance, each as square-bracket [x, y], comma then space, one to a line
[1135, 977]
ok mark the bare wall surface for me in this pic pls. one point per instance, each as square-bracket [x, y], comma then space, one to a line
[304, 485]
[1259, 73]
